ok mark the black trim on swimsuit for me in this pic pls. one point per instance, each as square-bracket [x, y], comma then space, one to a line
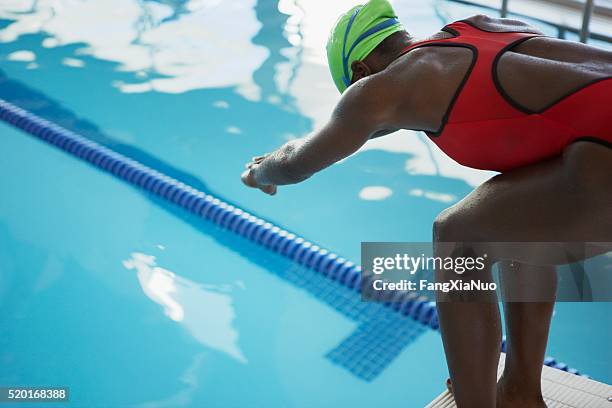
[498, 85]
[593, 139]
[467, 75]
[496, 82]
[515, 104]
[449, 109]
[450, 30]
[578, 89]
[471, 23]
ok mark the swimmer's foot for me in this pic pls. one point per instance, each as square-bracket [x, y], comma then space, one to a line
[507, 399]
[514, 397]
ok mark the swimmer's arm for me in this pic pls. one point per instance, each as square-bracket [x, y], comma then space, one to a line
[359, 115]
[384, 132]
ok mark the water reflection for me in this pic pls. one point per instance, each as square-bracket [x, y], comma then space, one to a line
[173, 46]
[73, 62]
[207, 311]
[24, 56]
[433, 195]
[375, 193]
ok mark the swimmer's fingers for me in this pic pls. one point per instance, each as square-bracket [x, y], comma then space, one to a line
[270, 190]
[255, 161]
[249, 181]
[259, 159]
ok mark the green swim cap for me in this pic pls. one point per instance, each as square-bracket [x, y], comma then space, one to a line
[355, 35]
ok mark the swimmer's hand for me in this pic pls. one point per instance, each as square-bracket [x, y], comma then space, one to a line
[248, 177]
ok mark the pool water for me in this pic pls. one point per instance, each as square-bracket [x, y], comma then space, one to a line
[99, 295]
[131, 302]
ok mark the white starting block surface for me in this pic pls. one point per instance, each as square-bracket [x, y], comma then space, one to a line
[560, 389]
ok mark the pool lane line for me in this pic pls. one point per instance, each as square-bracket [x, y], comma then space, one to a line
[220, 213]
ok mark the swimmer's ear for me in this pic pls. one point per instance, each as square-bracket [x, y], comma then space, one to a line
[360, 70]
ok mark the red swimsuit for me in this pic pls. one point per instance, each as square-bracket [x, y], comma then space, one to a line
[483, 128]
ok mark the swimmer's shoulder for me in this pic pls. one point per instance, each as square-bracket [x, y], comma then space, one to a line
[429, 65]
[500, 25]
[418, 85]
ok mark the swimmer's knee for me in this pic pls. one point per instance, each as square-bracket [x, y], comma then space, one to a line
[440, 227]
[588, 166]
[449, 227]
[454, 237]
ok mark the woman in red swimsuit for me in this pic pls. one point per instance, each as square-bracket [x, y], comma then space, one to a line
[493, 94]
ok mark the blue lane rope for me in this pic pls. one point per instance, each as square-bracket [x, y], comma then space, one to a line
[222, 214]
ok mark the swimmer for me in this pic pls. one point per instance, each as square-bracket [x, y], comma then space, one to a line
[493, 94]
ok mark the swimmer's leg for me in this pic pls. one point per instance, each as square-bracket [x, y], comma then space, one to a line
[471, 334]
[563, 200]
[527, 326]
